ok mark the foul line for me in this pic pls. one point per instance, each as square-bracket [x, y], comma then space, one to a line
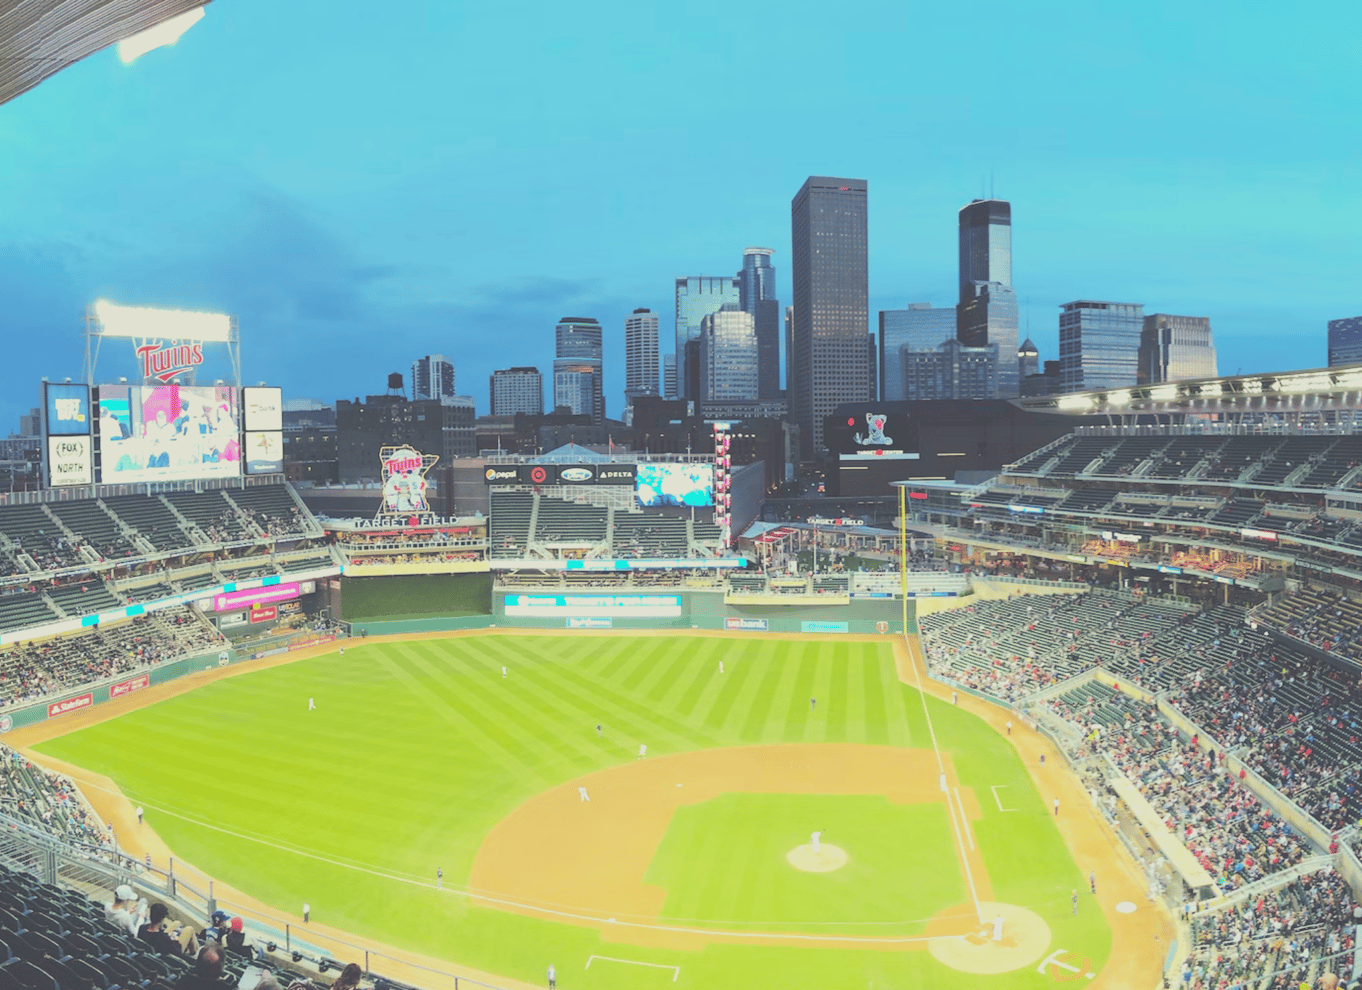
[676, 970]
[996, 799]
[964, 819]
[941, 766]
[540, 909]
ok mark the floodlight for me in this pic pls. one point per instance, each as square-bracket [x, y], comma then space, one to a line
[1074, 402]
[1118, 398]
[161, 324]
[1164, 394]
[166, 33]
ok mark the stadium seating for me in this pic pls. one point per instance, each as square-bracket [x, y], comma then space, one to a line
[82, 597]
[271, 508]
[37, 534]
[45, 800]
[639, 534]
[511, 512]
[558, 522]
[22, 609]
[95, 527]
[152, 519]
[1281, 937]
[212, 514]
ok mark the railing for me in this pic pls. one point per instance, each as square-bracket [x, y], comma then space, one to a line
[96, 871]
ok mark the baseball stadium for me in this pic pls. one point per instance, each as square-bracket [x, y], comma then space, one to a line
[588, 715]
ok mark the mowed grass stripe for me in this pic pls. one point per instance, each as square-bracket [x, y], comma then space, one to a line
[730, 690]
[624, 710]
[782, 700]
[505, 714]
[663, 662]
[490, 748]
[747, 694]
[687, 662]
[861, 665]
[758, 712]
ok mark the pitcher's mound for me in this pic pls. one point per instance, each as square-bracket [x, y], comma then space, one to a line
[1025, 937]
[827, 859]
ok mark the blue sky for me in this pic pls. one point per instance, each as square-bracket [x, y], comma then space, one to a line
[362, 187]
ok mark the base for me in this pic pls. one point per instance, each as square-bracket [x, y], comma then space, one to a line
[827, 859]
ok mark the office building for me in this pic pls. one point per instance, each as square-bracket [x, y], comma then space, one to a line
[830, 363]
[577, 367]
[516, 390]
[1175, 349]
[728, 357]
[640, 354]
[987, 312]
[697, 297]
[1048, 382]
[1345, 341]
[432, 377]
[872, 366]
[1099, 344]
[1028, 360]
[669, 376]
[948, 371]
[757, 296]
[919, 327]
[433, 426]
[789, 348]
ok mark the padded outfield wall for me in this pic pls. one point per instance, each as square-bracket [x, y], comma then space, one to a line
[674, 608]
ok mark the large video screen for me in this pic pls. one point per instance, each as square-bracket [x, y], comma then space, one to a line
[675, 484]
[168, 433]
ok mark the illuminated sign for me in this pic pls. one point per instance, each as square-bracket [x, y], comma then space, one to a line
[164, 363]
[264, 453]
[231, 600]
[874, 434]
[262, 408]
[1258, 534]
[1031, 509]
[68, 410]
[70, 705]
[69, 462]
[404, 480]
[635, 606]
[128, 687]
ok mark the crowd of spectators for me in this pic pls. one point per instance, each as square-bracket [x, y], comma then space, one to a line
[1281, 934]
[34, 670]
[46, 799]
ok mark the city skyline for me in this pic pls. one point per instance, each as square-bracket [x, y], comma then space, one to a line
[177, 182]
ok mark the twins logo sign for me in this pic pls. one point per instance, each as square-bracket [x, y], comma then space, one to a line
[404, 480]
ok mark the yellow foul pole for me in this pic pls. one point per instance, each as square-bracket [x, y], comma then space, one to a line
[903, 555]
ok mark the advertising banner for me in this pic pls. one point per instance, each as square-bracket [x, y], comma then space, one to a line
[263, 408]
[70, 705]
[616, 474]
[502, 475]
[589, 622]
[167, 433]
[576, 474]
[266, 613]
[816, 626]
[69, 462]
[756, 625]
[68, 410]
[256, 596]
[631, 606]
[264, 453]
[128, 687]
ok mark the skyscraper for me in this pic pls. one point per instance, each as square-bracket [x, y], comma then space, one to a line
[640, 354]
[949, 370]
[1028, 360]
[830, 363]
[987, 312]
[669, 376]
[1099, 344]
[1345, 341]
[432, 377]
[919, 327]
[728, 356]
[697, 297]
[577, 367]
[757, 296]
[789, 347]
[1175, 349]
[516, 390]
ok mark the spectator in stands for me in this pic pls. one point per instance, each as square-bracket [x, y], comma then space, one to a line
[207, 971]
[179, 941]
[236, 938]
[125, 911]
[349, 978]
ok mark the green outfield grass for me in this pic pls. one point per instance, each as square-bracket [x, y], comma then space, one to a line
[417, 749]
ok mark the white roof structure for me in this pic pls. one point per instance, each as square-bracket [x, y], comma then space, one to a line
[39, 38]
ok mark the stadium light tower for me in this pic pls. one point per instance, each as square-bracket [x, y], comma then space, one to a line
[168, 32]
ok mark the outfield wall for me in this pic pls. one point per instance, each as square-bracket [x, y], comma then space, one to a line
[676, 608]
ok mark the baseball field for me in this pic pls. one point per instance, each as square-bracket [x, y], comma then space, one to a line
[511, 763]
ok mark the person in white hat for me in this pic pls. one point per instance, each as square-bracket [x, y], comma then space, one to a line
[125, 912]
